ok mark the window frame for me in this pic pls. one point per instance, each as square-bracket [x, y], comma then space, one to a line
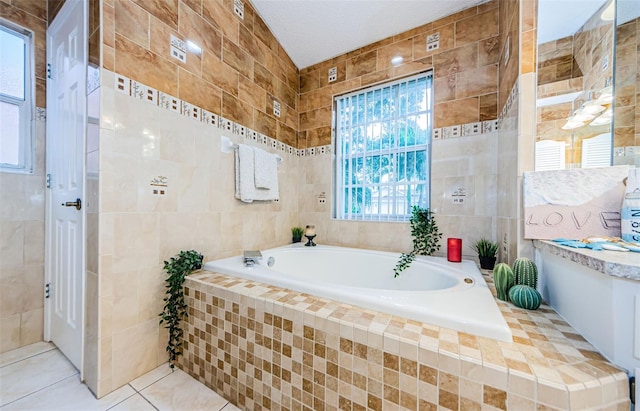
[339, 198]
[25, 106]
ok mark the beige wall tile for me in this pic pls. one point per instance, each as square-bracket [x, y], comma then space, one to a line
[221, 18]
[198, 91]
[236, 110]
[159, 44]
[361, 65]
[478, 27]
[132, 22]
[402, 49]
[219, 74]
[147, 67]
[456, 112]
[133, 360]
[198, 30]
[9, 332]
[456, 60]
[476, 82]
[165, 10]
[237, 58]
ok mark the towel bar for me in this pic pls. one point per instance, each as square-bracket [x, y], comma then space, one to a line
[228, 146]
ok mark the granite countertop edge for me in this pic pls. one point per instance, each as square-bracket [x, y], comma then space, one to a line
[613, 263]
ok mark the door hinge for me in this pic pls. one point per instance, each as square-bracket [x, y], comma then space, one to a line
[49, 70]
[47, 290]
[48, 180]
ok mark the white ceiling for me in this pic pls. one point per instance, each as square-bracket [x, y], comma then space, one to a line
[312, 31]
[562, 18]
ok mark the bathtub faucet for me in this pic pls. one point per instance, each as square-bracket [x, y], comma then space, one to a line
[251, 257]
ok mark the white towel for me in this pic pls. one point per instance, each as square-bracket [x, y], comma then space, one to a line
[266, 169]
[245, 178]
[245, 188]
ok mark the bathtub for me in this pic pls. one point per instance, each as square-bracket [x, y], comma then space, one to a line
[432, 290]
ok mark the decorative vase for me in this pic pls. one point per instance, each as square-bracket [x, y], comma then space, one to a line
[296, 239]
[503, 279]
[487, 263]
[525, 297]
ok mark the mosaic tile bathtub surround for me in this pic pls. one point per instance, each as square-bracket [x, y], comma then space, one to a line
[158, 98]
[264, 347]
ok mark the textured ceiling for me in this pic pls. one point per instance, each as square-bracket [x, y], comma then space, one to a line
[312, 31]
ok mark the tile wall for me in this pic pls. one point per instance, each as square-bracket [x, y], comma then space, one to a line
[239, 73]
[627, 107]
[515, 31]
[517, 245]
[92, 223]
[556, 61]
[141, 224]
[509, 51]
[592, 50]
[466, 164]
[465, 72]
[573, 63]
[22, 208]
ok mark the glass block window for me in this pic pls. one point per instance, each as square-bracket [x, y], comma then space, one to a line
[16, 74]
[383, 139]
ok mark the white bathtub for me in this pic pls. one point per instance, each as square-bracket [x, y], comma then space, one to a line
[432, 290]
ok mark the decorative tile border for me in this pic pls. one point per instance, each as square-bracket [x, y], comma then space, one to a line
[513, 96]
[465, 130]
[158, 98]
[93, 78]
[41, 114]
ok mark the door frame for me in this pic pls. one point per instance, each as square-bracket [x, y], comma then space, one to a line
[64, 14]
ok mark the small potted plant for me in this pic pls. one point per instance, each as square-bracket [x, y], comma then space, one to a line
[296, 234]
[487, 251]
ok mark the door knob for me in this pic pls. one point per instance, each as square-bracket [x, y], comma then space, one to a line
[77, 204]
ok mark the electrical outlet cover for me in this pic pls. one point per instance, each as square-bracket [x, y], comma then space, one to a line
[276, 108]
[238, 8]
[433, 41]
[332, 74]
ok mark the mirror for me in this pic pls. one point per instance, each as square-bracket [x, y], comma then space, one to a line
[575, 84]
[627, 86]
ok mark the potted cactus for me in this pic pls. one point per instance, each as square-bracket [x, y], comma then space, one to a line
[487, 251]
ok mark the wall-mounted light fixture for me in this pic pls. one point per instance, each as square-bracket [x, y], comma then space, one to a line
[396, 60]
[595, 112]
[194, 48]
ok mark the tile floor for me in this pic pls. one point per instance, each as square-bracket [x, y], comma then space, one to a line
[39, 377]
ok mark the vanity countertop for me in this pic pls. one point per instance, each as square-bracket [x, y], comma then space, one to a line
[614, 263]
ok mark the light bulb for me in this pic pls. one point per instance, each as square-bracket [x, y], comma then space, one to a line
[572, 123]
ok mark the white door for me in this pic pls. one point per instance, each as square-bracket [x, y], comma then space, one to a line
[66, 131]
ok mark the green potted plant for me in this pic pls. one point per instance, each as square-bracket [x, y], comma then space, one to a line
[426, 238]
[175, 308]
[296, 234]
[487, 251]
